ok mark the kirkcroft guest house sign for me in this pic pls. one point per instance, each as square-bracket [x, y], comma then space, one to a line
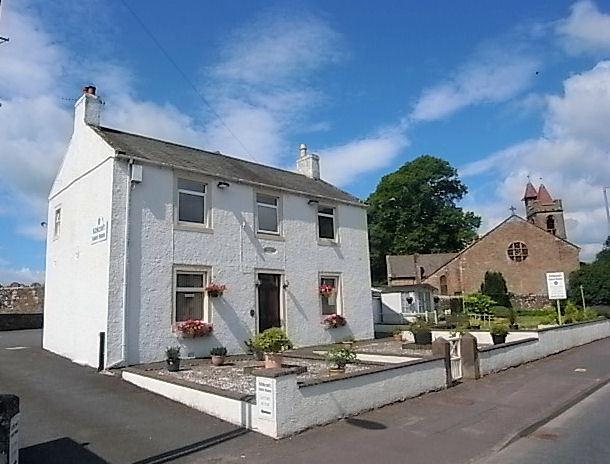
[99, 232]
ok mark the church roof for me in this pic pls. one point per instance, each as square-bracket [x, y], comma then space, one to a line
[544, 196]
[530, 192]
[406, 266]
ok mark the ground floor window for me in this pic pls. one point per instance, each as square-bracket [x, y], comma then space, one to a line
[190, 298]
[329, 294]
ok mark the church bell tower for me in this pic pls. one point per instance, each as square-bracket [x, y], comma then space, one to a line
[542, 210]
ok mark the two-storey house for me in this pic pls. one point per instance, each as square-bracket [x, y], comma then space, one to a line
[138, 227]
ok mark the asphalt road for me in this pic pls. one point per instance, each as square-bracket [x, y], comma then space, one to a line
[72, 415]
[579, 435]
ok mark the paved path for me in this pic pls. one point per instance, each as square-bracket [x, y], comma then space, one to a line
[579, 435]
[72, 414]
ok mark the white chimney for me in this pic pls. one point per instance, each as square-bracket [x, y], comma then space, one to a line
[308, 164]
[88, 108]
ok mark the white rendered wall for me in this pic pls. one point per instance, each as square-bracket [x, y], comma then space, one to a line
[484, 337]
[76, 283]
[234, 253]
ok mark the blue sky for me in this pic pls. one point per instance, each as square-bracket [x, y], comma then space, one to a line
[500, 89]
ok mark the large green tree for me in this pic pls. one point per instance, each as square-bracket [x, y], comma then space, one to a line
[594, 278]
[414, 210]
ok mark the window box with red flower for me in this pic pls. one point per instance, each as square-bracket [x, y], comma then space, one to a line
[193, 328]
[332, 321]
[215, 290]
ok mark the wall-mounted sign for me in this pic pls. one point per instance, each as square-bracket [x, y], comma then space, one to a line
[556, 285]
[99, 231]
[265, 398]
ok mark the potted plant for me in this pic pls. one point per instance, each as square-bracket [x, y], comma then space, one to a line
[172, 357]
[193, 328]
[215, 290]
[421, 332]
[272, 342]
[332, 321]
[397, 334]
[340, 357]
[218, 354]
[348, 342]
[499, 333]
[257, 353]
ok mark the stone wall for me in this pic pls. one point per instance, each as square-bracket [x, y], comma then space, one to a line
[21, 299]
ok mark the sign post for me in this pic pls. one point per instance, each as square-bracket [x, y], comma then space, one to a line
[556, 286]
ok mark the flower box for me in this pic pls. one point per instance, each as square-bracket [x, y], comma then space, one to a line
[332, 321]
[193, 328]
[215, 290]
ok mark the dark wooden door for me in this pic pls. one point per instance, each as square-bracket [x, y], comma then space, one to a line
[268, 301]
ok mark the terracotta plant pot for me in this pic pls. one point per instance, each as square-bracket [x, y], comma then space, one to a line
[173, 365]
[218, 360]
[398, 337]
[336, 370]
[273, 360]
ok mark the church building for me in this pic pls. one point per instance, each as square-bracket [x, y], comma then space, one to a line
[523, 250]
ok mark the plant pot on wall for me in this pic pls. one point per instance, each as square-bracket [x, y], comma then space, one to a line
[218, 360]
[498, 339]
[173, 365]
[422, 338]
[273, 360]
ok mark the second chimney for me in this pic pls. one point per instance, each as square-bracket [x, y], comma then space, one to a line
[88, 108]
[308, 164]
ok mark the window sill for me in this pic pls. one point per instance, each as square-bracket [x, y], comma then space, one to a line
[264, 236]
[328, 242]
[193, 227]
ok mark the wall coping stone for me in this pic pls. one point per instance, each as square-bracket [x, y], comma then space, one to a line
[508, 344]
[279, 372]
[195, 386]
[573, 324]
[373, 370]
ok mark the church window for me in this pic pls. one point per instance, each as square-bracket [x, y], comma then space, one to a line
[443, 285]
[550, 224]
[517, 251]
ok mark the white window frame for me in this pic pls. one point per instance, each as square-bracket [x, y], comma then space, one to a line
[338, 289]
[278, 213]
[206, 271]
[334, 218]
[56, 222]
[206, 201]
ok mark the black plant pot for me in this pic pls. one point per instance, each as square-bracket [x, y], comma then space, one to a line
[423, 338]
[498, 339]
[173, 365]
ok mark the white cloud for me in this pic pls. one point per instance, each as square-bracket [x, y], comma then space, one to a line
[24, 275]
[572, 156]
[492, 76]
[586, 29]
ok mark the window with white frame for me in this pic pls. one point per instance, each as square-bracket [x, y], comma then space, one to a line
[190, 295]
[267, 214]
[326, 222]
[191, 201]
[57, 223]
[329, 295]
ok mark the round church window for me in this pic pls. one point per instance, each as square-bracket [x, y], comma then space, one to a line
[517, 251]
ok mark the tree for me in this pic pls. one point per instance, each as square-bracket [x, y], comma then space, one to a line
[413, 210]
[478, 303]
[494, 286]
[595, 280]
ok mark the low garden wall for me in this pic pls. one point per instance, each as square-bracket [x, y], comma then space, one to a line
[11, 321]
[484, 337]
[549, 341]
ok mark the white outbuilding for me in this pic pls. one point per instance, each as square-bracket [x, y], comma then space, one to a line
[140, 228]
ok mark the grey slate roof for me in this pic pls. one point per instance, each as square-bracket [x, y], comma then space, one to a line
[405, 266]
[218, 165]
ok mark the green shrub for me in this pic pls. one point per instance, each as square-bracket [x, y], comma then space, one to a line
[419, 326]
[218, 351]
[500, 311]
[172, 353]
[340, 357]
[478, 303]
[499, 330]
[494, 286]
[272, 340]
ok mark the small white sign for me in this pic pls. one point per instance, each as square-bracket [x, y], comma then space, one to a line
[13, 440]
[99, 231]
[556, 285]
[265, 398]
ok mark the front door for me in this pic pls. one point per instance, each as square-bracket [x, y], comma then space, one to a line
[268, 301]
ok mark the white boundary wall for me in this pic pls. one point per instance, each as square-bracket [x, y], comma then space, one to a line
[484, 337]
[550, 341]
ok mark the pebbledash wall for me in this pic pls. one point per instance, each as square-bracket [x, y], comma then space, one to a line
[283, 407]
[549, 341]
[85, 280]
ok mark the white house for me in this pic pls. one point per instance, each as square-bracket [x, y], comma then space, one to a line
[402, 303]
[138, 227]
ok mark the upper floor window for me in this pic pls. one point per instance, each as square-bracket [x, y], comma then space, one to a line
[57, 223]
[326, 222]
[267, 214]
[190, 295]
[191, 201]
